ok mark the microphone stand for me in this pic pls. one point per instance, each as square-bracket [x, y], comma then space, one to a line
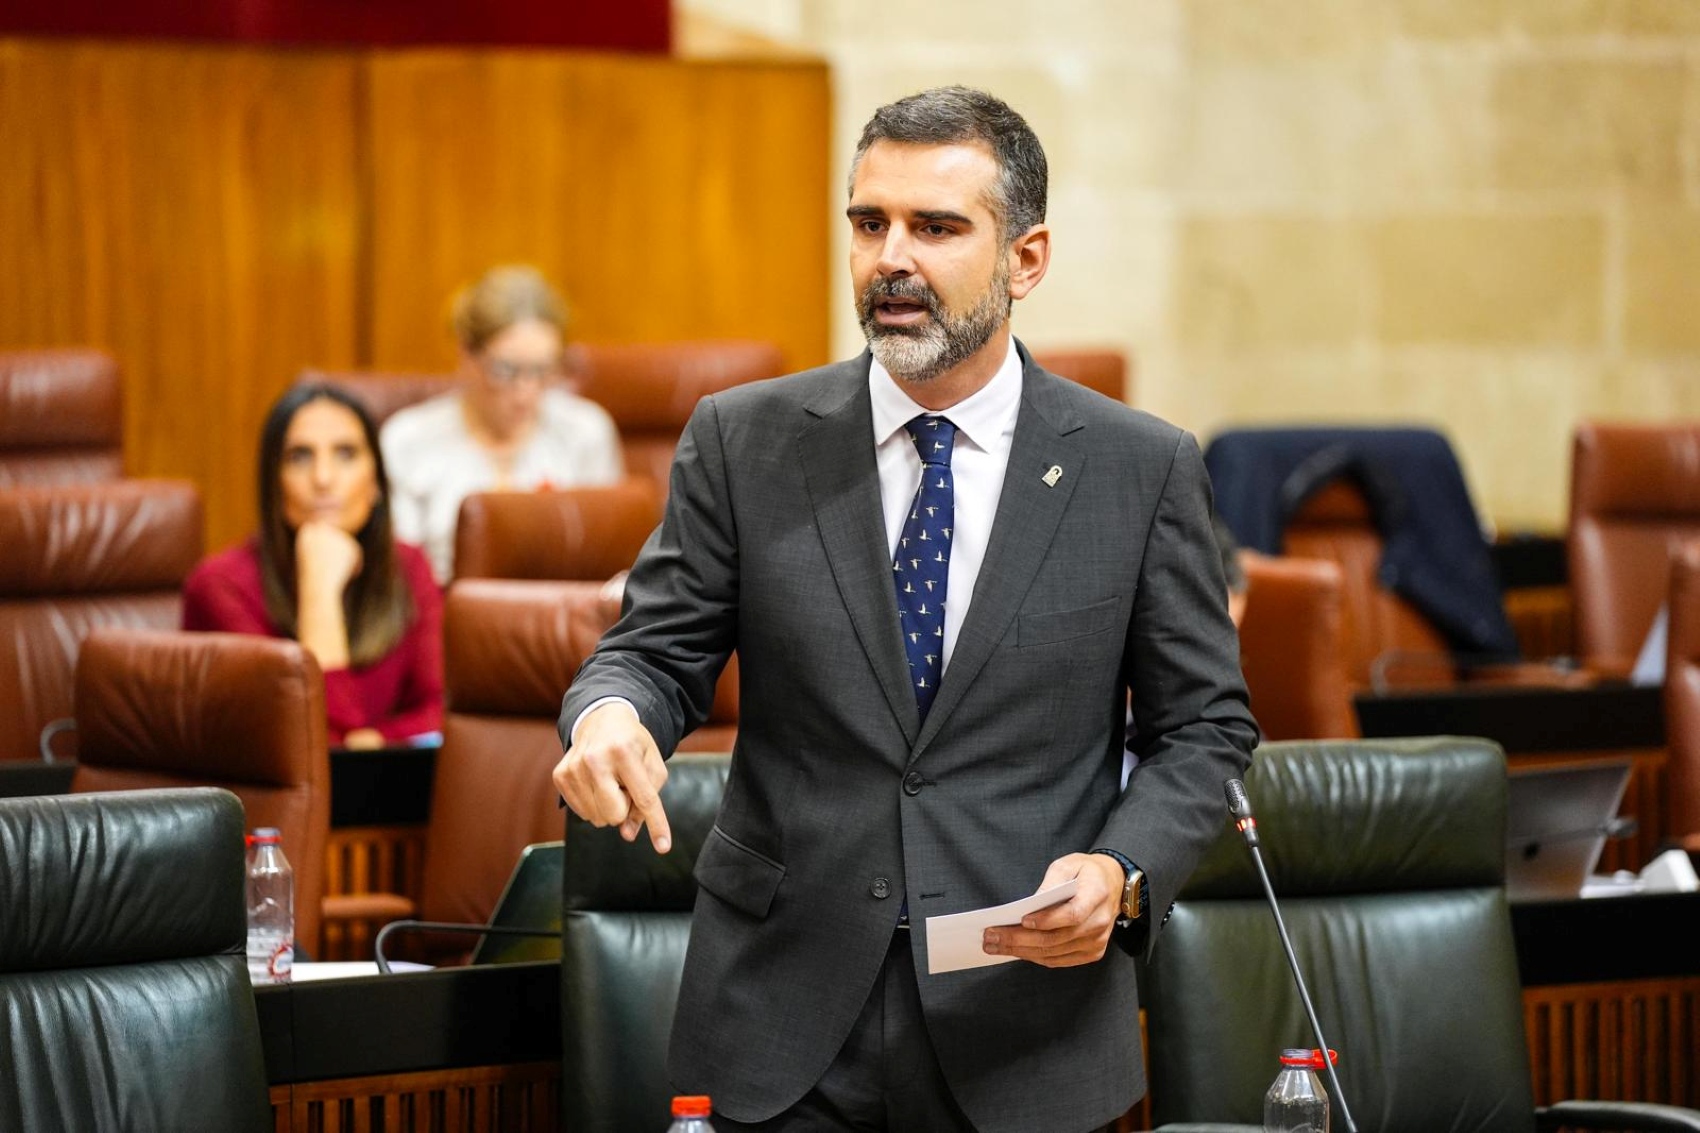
[1240, 806]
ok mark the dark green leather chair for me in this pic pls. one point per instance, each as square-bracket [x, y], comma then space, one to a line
[124, 996]
[625, 923]
[1388, 858]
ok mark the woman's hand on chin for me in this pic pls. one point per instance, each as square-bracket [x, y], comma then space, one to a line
[326, 557]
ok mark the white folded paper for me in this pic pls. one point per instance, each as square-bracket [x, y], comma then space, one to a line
[956, 940]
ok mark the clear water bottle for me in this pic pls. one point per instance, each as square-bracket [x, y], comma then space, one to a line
[1297, 1103]
[271, 909]
[690, 1114]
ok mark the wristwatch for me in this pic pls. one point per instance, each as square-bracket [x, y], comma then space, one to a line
[1134, 898]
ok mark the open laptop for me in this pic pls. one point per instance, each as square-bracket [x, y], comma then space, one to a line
[22, 778]
[532, 899]
[1557, 822]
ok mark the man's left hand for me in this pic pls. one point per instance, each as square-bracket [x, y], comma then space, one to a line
[1074, 932]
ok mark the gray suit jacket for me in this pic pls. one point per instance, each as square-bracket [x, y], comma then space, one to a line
[841, 803]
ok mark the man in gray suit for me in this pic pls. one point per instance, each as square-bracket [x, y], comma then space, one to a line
[943, 570]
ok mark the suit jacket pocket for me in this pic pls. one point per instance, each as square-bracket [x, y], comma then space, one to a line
[736, 874]
[1064, 625]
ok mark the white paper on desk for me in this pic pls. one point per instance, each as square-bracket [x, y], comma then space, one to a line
[956, 940]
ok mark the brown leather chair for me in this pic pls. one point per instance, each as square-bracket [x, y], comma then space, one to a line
[650, 389]
[61, 417]
[174, 709]
[580, 534]
[1682, 700]
[1102, 370]
[1336, 525]
[512, 647]
[1292, 648]
[76, 557]
[1634, 498]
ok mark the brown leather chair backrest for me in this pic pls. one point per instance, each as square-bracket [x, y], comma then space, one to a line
[247, 713]
[1102, 370]
[1634, 497]
[1682, 699]
[650, 389]
[73, 558]
[579, 534]
[61, 417]
[1336, 525]
[1292, 648]
[383, 392]
[511, 650]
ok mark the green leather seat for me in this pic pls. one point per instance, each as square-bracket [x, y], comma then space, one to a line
[1388, 858]
[625, 923]
[124, 995]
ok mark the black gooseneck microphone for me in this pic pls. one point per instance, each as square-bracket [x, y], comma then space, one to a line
[1239, 805]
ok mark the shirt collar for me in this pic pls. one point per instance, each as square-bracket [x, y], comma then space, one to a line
[983, 416]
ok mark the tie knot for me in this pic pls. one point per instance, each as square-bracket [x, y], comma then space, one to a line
[934, 437]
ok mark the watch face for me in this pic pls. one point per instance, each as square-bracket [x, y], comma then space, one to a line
[1130, 895]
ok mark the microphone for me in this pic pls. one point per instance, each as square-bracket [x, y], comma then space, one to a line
[1239, 805]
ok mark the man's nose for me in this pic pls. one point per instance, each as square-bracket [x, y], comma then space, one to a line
[896, 257]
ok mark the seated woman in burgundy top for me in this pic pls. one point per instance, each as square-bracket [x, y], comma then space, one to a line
[326, 570]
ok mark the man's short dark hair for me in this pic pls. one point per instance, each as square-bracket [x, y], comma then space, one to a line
[962, 115]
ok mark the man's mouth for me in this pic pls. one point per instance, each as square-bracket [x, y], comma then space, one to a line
[899, 312]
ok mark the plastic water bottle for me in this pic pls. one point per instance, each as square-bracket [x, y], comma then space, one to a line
[1297, 1103]
[690, 1114]
[271, 909]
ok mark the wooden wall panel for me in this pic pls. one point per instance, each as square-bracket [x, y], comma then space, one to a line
[193, 210]
[669, 199]
[219, 217]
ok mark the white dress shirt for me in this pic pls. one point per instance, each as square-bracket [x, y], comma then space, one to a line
[985, 430]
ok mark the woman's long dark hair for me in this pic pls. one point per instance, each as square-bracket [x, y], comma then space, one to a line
[377, 604]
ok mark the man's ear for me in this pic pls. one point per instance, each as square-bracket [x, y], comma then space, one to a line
[1029, 257]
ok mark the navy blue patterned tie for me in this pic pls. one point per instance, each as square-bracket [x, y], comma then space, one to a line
[922, 563]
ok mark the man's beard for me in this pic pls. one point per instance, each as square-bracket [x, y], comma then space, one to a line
[944, 340]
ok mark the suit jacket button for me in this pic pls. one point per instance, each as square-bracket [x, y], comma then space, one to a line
[881, 888]
[912, 783]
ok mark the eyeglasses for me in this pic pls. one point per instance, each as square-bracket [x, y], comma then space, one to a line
[503, 372]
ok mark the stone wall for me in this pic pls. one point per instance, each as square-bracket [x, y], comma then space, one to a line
[1480, 214]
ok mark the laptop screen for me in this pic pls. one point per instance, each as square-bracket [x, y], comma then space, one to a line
[1557, 821]
[532, 899]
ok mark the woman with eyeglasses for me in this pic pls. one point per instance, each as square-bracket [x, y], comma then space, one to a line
[326, 570]
[510, 426]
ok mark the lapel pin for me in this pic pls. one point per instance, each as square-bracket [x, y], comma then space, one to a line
[1053, 476]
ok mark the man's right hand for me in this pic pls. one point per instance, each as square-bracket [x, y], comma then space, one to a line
[612, 775]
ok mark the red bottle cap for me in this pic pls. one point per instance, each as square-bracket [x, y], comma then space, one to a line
[1308, 1059]
[692, 1105]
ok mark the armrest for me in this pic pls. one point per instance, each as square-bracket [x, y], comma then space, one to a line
[1646, 1117]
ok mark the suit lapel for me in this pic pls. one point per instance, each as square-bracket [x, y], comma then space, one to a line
[837, 457]
[1029, 509]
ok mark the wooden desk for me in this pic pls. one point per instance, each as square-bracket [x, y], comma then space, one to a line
[475, 1050]
[1611, 997]
[1541, 727]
